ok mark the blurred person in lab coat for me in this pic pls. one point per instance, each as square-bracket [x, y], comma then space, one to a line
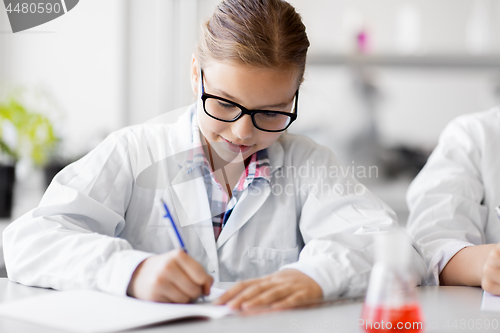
[453, 214]
[244, 194]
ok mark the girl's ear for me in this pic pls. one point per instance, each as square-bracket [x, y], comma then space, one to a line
[195, 75]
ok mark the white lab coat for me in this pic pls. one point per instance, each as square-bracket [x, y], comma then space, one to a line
[453, 198]
[100, 218]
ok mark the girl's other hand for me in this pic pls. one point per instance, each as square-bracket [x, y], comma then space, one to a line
[172, 277]
[283, 289]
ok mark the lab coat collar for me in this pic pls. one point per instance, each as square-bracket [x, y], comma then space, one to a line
[189, 187]
[193, 210]
[181, 136]
[249, 203]
[276, 155]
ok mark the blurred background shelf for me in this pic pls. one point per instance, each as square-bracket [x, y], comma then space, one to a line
[452, 61]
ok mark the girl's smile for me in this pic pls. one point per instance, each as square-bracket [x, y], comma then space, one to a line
[236, 148]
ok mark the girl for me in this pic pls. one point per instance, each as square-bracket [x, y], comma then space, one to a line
[250, 202]
[452, 203]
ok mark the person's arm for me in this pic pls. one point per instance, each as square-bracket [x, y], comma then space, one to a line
[69, 241]
[447, 214]
[465, 268]
[72, 240]
[474, 266]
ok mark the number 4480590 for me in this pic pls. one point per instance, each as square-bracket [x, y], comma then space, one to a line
[34, 8]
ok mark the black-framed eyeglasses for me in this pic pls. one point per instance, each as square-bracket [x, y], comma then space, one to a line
[228, 111]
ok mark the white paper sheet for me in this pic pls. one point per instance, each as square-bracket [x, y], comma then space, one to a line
[214, 294]
[490, 302]
[93, 311]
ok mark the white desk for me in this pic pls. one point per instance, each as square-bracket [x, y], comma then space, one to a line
[446, 309]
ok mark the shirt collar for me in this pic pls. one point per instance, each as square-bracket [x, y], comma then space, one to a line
[258, 167]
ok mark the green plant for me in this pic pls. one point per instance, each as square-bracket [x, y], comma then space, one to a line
[24, 133]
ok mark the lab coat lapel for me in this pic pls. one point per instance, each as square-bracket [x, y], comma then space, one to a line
[189, 191]
[249, 203]
[188, 186]
[253, 198]
[193, 210]
[205, 232]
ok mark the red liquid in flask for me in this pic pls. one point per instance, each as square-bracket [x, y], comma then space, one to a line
[407, 318]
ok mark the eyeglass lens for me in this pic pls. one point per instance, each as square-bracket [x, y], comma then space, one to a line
[222, 110]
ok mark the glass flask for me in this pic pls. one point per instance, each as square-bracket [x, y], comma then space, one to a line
[391, 304]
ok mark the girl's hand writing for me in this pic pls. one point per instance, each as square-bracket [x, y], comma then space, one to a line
[172, 277]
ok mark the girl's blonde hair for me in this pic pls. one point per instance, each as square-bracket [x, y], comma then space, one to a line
[263, 33]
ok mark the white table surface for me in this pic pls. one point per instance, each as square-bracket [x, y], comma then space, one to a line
[446, 309]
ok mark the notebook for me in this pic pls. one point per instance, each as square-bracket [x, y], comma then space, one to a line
[93, 311]
[490, 302]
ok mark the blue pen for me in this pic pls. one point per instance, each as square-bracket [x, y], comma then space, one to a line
[168, 216]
